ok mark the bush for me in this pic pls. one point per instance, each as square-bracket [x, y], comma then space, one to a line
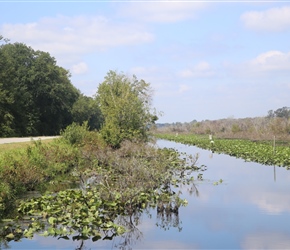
[74, 134]
[31, 168]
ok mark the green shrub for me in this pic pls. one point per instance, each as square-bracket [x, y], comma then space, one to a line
[236, 128]
[74, 134]
[31, 168]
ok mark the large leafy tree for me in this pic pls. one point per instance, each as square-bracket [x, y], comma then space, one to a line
[125, 104]
[6, 118]
[38, 95]
[87, 109]
[6, 99]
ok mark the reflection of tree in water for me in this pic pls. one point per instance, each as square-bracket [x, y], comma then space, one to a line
[168, 216]
[132, 234]
[166, 200]
[192, 189]
[4, 244]
[126, 240]
[82, 245]
[168, 213]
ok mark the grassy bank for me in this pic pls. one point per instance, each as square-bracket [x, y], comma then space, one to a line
[264, 152]
[32, 166]
[19, 145]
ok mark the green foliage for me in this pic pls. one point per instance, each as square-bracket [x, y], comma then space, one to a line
[72, 212]
[247, 150]
[36, 95]
[236, 128]
[125, 106]
[87, 109]
[75, 133]
[6, 118]
[111, 133]
[280, 112]
[30, 168]
[128, 181]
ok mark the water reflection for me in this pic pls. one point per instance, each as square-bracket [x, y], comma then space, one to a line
[252, 200]
[132, 234]
[250, 209]
[167, 219]
[266, 240]
[192, 189]
[134, 224]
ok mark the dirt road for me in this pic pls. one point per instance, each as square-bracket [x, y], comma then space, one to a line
[24, 139]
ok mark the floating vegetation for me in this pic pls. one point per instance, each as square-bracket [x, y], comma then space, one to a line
[245, 149]
[116, 187]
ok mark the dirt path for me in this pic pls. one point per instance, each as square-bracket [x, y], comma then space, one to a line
[24, 139]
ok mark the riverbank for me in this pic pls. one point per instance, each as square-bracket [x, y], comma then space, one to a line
[122, 181]
[256, 151]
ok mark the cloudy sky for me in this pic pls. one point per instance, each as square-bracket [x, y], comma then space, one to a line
[204, 59]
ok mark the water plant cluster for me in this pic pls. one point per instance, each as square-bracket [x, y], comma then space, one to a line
[111, 183]
[264, 153]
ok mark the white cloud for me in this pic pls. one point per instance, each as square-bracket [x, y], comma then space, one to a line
[271, 60]
[272, 203]
[160, 78]
[162, 11]
[202, 69]
[268, 64]
[266, 240]
[69, 37]
[275, 19]
[183, 88]
[79, 68]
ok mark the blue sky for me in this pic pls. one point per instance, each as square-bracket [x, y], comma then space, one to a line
[204, 59]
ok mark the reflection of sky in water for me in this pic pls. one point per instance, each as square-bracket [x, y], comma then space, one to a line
[249, 210]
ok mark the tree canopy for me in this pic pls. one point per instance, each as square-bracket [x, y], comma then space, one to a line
[280, 112]
[36, 95]
[87, 109]
[125, 104]
[38, 98]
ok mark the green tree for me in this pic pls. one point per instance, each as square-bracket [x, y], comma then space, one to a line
[87, 109]
[41, 93]
[125, 104]
[6, 118]
[6, 99]
[281, 112]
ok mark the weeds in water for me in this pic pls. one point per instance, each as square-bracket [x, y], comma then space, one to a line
[116, 182]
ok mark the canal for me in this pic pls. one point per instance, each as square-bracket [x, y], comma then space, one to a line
[235, 205]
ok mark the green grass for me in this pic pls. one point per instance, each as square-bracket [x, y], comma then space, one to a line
[18, 145]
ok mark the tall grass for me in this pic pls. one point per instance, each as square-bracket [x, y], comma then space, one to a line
[18, 145]
[31, 166]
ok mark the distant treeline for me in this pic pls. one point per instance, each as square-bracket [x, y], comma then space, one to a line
[275, 123]
[37, 96]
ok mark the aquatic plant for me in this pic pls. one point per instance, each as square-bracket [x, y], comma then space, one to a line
[129, 181]
[248, 150]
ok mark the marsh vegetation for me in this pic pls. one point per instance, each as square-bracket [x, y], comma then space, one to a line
[88, 181]
[123, 182]
[264, 152]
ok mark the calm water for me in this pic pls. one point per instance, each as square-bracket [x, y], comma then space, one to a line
[249, 210]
